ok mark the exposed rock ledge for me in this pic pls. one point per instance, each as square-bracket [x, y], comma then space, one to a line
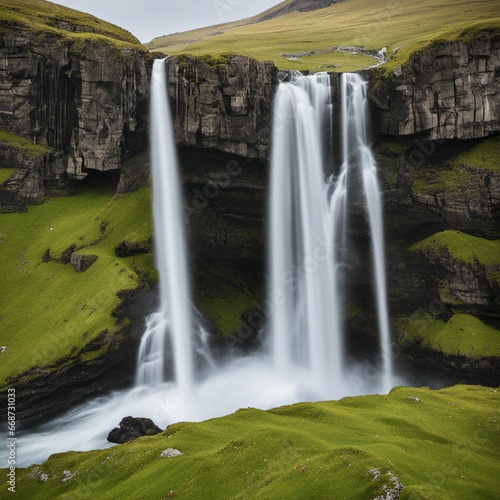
[225, 106]
[450, 91]
[96, 115]
[87, 102]
[457, 368]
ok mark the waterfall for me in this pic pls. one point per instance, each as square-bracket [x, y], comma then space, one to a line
[172, 325]
[308, 231]
[357, 152]
[308, 257]
[305, 327]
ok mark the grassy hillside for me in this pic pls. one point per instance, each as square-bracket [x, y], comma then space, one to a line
[187, 37]
[39, 16]
[48, 311]
[364, 23]
[438, 444]
[462, 334]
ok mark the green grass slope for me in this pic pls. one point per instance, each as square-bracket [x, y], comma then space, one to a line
[438, 444]
[408, 26]
[187, 37]
[462, 247]
[457, 175]
[461, 335]
[21, 145]
[49, 313]
[41, 17]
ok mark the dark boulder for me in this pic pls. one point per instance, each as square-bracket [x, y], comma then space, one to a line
[132, 428]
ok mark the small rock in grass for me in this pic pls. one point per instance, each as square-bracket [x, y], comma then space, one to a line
[170, 452]
[67, 476]
[81, 262]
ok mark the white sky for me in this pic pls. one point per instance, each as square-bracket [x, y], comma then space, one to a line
[147, 19]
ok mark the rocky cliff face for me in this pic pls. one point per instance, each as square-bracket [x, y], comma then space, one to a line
[298, 6]
[449, 91]
[437, 177]
[224, 105]
[86, 101]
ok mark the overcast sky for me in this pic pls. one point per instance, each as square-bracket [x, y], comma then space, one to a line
[147, 19]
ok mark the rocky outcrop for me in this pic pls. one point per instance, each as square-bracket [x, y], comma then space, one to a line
[449, 91]
[131, 429]
[298, 6]
[453, 369]
[85, 100]
[81, 262]
[429, 189]
[472, 206]
[467, 286]
[31, 170]
[224, 105]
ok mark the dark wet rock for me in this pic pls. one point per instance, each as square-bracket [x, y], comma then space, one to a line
[132, 428]
[128, 248]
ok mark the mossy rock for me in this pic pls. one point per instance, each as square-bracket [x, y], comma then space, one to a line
[462, 335]
[81, 262]
[463, 247]
[22, 145]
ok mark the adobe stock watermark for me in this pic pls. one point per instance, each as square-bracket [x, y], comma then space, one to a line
[289, 281]
[372, 371]
[11, 440]
[464, 452]
[217, 181]
[225, 7]
[422, 151]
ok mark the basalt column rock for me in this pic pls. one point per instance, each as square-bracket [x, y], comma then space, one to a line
[224, 106]
[449, 91]
[85, 99]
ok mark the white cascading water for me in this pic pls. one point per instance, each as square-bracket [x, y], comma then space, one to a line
[173, 323]
[304, 326]
[308, 232]
[309, 223]
[356, 151]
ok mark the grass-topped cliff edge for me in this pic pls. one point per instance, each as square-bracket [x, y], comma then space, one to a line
[420, 444]
[42, 18]
[405, 26]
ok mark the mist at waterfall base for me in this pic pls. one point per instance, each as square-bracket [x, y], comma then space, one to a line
[303, 355]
